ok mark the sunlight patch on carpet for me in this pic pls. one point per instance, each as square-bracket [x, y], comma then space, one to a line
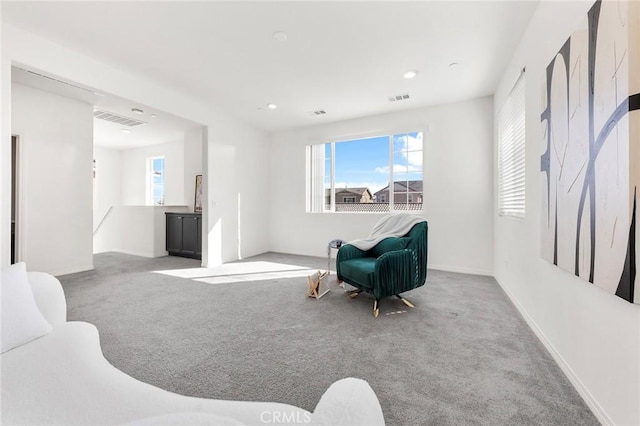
[239, 272]
[253, 277]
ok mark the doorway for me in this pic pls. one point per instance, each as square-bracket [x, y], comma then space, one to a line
[14, 198]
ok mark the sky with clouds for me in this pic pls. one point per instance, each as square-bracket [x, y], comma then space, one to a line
[365, 162]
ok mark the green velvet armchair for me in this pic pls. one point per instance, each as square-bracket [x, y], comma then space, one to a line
[395, 265]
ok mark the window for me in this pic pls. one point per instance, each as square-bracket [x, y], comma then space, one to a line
[155, 181]
[511, 153]
[386, 170]
[407, 170]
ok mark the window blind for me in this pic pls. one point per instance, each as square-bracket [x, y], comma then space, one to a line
[511, 153]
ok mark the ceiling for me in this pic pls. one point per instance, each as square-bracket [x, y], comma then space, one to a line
[346, 58]
[155, 130]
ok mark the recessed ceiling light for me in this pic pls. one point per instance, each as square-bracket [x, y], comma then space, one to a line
[280, 36]
[153, 116]
[410, 74]
[272, 106]
[453, 65]
[126, 130]
[137, 111]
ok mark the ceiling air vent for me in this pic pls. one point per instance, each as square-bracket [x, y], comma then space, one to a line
[116, 118]
[317, 112]
[398, 97]
[37, 74]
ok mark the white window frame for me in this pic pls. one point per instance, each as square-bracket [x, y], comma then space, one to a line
[149, 177]
[512, 153]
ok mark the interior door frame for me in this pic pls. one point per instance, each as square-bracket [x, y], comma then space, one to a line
[17, 198]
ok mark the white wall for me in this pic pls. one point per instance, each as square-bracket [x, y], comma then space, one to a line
[192, 164]
[137, 230]
[458, 185]
[594, 335]
[127, 169]
[239, 194]
[134, 173]
[56, 150]
[247, 173]
[108, 183]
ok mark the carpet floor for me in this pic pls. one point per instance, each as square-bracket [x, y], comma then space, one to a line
[247, 331]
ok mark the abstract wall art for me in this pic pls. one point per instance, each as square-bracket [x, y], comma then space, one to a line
[590, 154]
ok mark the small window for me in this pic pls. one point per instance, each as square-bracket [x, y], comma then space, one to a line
[511, 153]
[349, 199]
[155, 181]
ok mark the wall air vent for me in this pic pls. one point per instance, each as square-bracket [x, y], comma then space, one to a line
[402, 97]
[116, 118]
[37, 74]
[317, 112]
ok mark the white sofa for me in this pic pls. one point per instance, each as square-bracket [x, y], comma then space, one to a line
[63, 378]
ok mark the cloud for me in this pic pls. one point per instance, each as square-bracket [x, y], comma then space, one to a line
[414, 158]
[399, 168]
[410, 148]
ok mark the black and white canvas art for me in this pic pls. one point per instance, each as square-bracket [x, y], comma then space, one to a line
[590, 157]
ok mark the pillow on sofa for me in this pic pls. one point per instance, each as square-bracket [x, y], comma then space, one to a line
[390, 244]
[22, 321]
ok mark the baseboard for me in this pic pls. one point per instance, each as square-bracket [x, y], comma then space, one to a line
[67, 271]
[591, 402]
[460, 270]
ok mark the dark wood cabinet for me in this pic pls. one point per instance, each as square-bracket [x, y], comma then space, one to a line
[184, 234]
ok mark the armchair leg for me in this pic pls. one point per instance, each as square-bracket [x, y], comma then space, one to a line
[376, 310]
[353, 294]
[405, 301]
